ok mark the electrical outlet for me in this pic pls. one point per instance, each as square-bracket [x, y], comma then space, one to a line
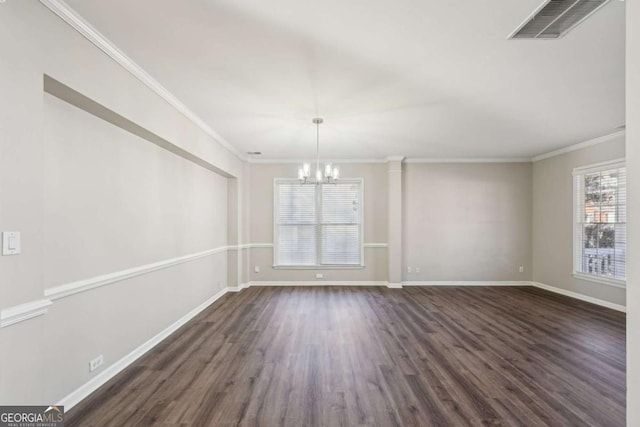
[256, 269]
[417, 269]
[409, 270]
[96, 363]
[521, 269]
[319, 275]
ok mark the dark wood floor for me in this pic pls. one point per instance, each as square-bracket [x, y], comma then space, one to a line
[338, 356]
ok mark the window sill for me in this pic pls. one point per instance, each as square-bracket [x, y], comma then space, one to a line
[601, 280]
[318, 267]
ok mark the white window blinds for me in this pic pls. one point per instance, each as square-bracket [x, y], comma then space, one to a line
[340, 224]
[296, 224]
[600, 208]
[318, 225]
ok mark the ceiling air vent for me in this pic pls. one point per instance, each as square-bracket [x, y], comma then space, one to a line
[555, 18]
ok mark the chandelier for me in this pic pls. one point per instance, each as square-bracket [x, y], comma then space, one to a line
[324, 175]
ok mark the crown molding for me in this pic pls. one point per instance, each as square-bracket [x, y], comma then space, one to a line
[580, 145]
[395, 158]
[469, 160]
[300, 161]
[78, 23]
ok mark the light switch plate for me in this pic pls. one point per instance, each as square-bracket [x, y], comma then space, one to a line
[10, 242]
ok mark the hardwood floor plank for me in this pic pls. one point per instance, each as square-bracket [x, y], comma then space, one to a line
[358, 356]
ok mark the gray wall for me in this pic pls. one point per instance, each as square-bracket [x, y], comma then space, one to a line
[91, 199]
[460, 222]
[112, 202]
[553, 220]
[467, 221]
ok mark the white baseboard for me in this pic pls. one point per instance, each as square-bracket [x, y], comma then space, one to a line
[465, 283]
[377, 283]
[238, 287]
[561, 291]
[581, 297]
[434, 283]
[317, 283]
[93, 384]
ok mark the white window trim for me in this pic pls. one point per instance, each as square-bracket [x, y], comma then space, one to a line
[277, 266]
[577, 246]
[617, 283]
[599, 167]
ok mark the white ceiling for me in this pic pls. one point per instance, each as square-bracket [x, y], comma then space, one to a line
[419, 78]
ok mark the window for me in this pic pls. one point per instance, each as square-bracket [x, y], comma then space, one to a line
[318, 225]
[601, 222]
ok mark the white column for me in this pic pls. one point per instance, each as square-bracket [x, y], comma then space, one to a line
[233, 223]
[633, 197]
[394, 233]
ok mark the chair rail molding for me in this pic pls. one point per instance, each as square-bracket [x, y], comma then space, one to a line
[18, 313]
[375, 245]
[72, 288]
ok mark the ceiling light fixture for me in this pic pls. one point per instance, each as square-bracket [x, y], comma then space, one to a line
[326, 175]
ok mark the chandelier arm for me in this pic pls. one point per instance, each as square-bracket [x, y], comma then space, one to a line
[328, 175]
